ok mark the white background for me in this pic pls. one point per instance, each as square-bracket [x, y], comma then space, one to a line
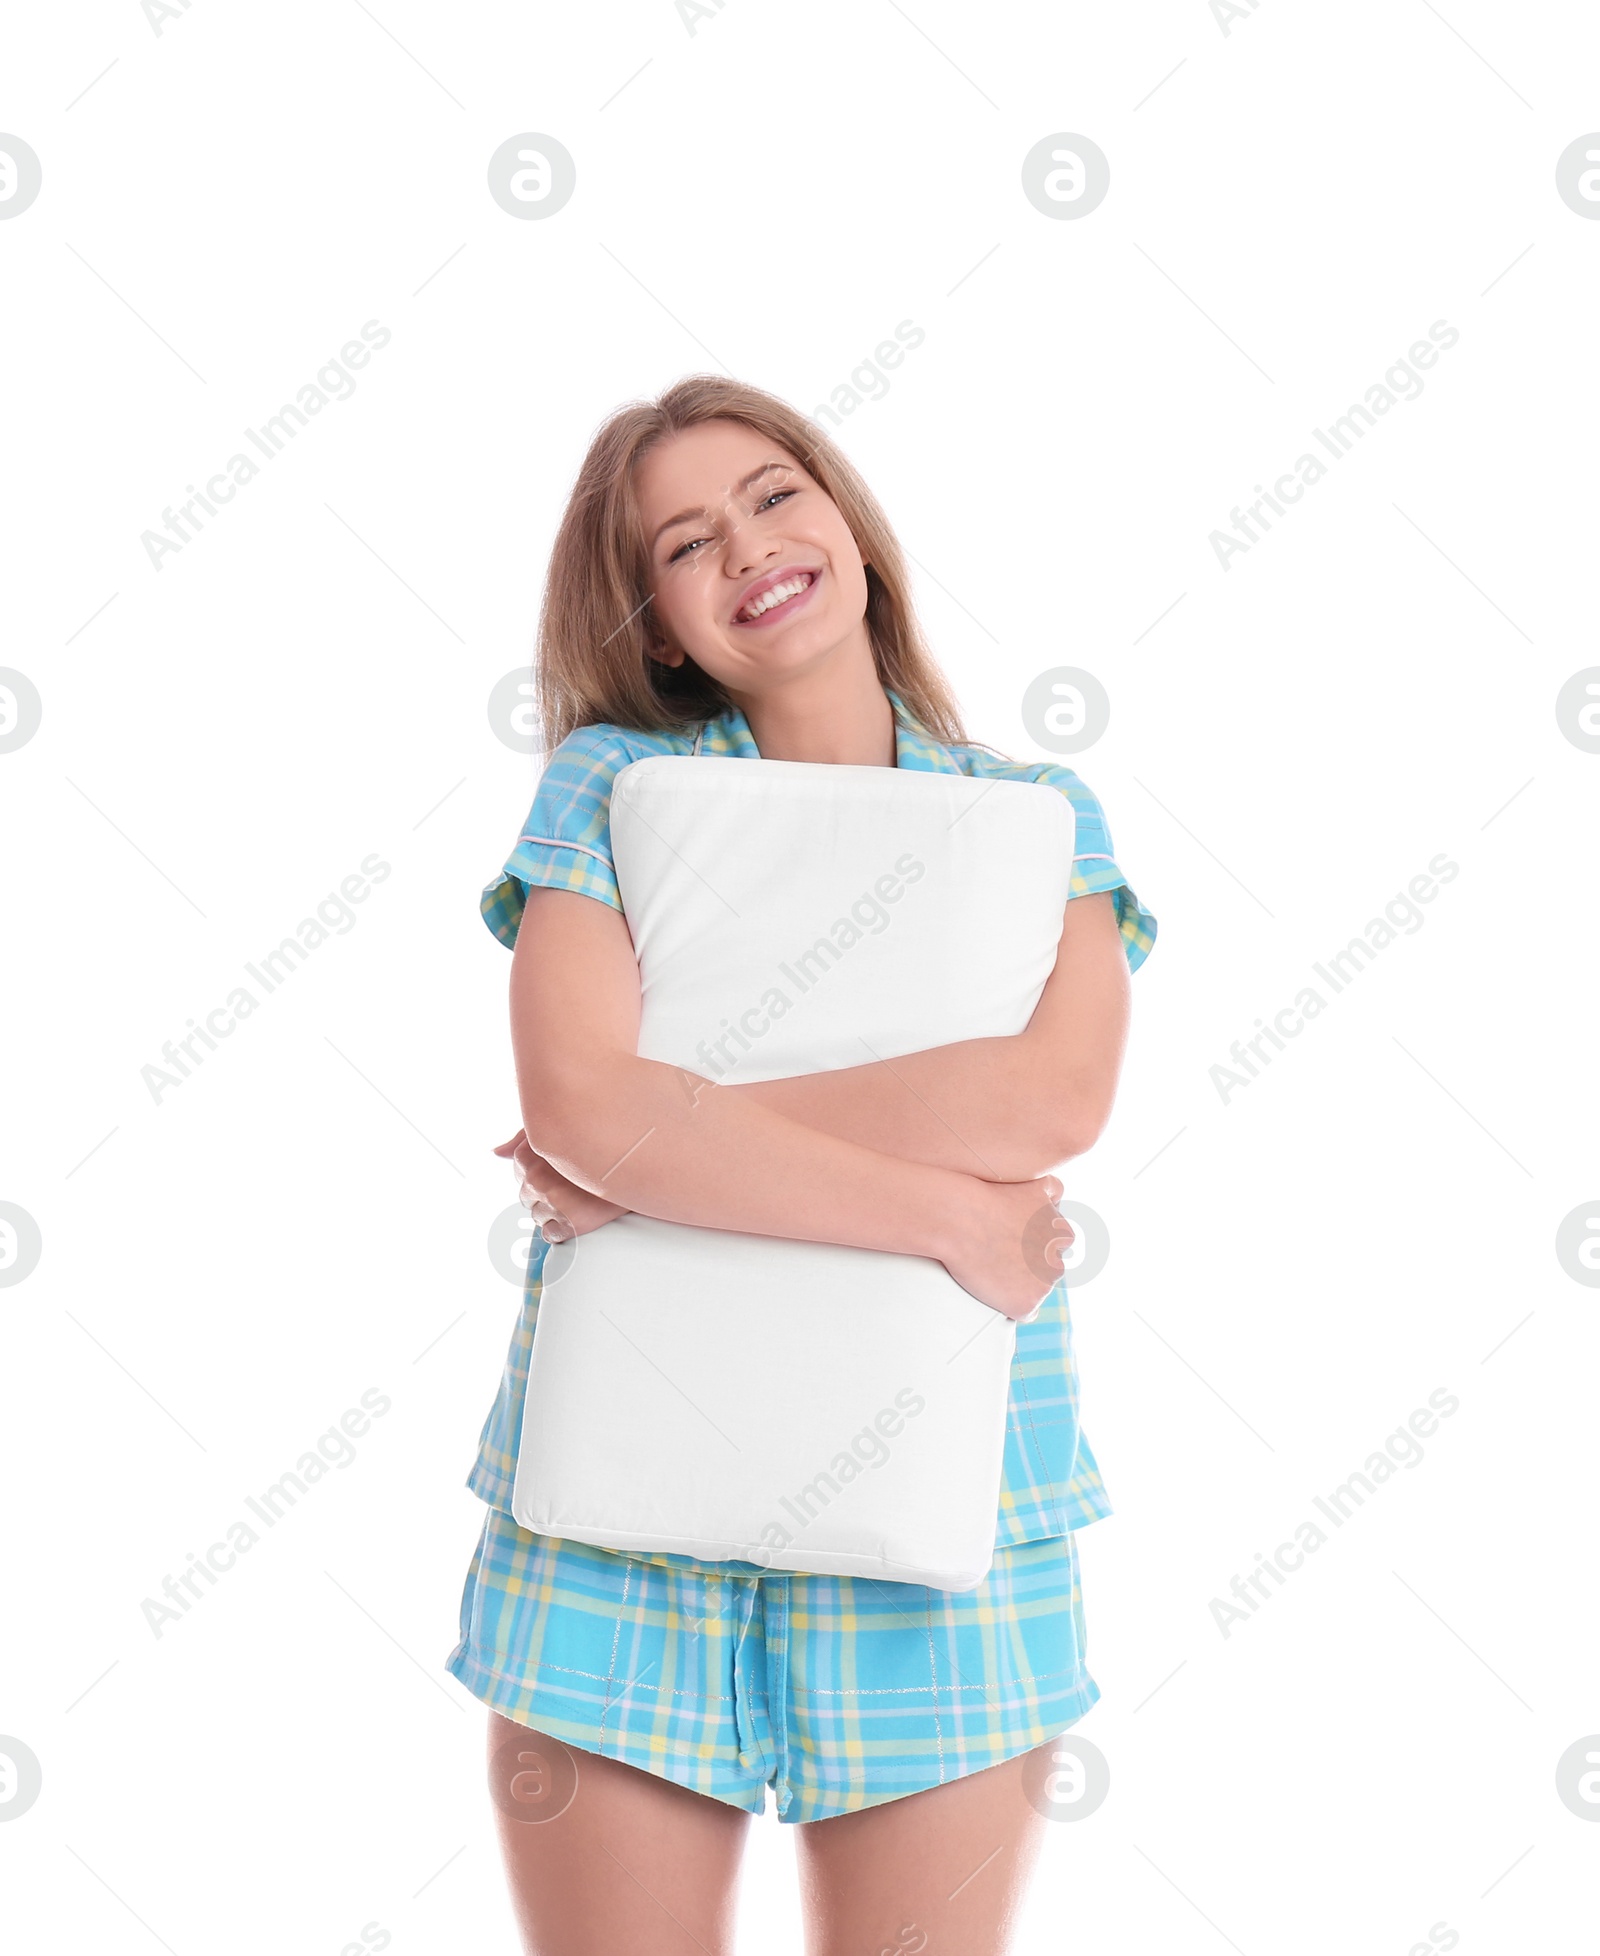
[1293, 1270]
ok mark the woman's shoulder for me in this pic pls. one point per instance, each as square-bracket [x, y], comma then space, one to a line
[591, 757]
[1094, 859]
[604, 741]
[973, 757]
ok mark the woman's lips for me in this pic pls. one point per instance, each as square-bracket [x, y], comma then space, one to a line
[782, 610]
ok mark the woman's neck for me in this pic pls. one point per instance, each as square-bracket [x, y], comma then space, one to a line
[846, 719]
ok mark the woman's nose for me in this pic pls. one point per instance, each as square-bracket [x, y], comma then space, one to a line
[745, 553]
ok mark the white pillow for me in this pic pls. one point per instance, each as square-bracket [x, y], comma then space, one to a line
[791, 1404]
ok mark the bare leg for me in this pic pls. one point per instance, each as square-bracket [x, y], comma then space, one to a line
[941, 1870]
[631, 1862]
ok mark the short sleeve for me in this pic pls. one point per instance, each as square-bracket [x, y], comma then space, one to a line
[1094, 865]
[565, 843]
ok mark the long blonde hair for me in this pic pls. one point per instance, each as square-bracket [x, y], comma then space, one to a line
[594, 660]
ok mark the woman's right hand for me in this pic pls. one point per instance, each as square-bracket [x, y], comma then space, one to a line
[1008, 1244]
[559, 1207]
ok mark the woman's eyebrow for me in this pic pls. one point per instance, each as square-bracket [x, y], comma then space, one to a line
[689, 515]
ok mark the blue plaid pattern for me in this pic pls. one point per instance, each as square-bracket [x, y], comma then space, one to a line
[1050, 1480]
[840, 1692]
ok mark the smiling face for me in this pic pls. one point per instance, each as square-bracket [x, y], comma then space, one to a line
[753, 570]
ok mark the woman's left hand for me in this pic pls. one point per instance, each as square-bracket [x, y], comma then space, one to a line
[560, 1207]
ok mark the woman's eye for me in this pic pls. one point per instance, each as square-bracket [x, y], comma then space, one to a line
[686, 548]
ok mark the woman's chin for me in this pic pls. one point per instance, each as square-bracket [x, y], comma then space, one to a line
[789, 649]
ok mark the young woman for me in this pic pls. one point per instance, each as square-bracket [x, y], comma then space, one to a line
[640, 1705]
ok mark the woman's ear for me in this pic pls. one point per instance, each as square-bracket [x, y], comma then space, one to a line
[665, 655]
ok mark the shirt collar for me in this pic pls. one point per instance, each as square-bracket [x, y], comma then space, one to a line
[729, 733]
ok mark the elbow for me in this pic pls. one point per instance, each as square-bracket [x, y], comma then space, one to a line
[1024, 1156]
[577, 1115]
[557, 1115]
[1070, 1127]
[1057, 1106]
[1048, 1154]
[552, 1131]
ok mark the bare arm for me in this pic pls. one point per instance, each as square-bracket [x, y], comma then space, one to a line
[658, 1140]
[1005, 1109]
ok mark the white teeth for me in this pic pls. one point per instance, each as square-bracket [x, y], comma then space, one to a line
[779, 594]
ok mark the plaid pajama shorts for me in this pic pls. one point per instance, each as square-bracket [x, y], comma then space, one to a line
[840, 1692]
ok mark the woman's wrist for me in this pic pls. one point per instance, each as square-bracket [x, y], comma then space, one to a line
[948, 1224]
